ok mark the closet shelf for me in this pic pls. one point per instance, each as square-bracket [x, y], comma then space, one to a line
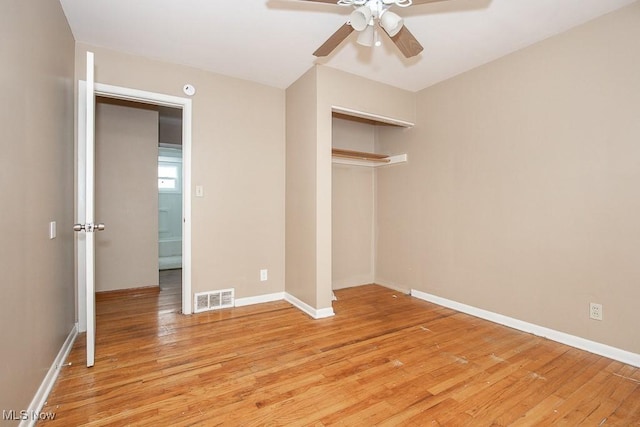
[360, 158]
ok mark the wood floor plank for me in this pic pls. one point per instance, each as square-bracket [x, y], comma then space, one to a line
[384, 359]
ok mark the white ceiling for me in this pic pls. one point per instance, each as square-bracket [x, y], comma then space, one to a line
[272, 41]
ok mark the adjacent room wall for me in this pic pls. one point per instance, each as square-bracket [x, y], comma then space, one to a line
[522, 192]
[352, 208]
[237, 156]
[36, 170]
[170, 129]
[126, 196]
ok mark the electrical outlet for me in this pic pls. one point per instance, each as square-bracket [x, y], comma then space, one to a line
[595, 311]
[264, 275]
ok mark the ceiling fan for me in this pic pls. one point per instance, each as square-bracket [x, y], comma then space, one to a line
[364, 18]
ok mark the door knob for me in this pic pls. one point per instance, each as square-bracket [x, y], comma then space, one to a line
[89, 228]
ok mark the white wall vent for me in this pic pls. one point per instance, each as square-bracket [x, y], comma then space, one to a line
[213, 300]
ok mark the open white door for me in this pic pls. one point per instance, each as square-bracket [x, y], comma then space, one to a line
[85, 210]
[85, 261]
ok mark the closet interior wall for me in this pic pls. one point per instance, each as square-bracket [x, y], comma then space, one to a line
[353, 207]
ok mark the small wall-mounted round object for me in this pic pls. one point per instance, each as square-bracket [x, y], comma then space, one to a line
[189, 89]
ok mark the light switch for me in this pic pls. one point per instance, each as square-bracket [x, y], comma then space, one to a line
[199, 191]
[52, 230]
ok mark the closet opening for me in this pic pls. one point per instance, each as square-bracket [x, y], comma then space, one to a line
[356, 157]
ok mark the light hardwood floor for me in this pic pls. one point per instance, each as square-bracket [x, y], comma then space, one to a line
[384, 359]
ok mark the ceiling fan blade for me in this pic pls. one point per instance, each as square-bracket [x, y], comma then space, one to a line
[407, 43]
[333, 41]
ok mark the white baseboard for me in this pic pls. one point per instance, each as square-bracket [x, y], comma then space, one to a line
[259, 299]
[49, 380]
[279, 296]
[303, 306]
[561, 337]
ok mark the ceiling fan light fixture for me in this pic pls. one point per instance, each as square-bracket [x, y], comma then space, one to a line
[365, 16]
[360, 18]
[367, 36]
[391, 23]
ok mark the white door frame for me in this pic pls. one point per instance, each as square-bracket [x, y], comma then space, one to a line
[136, 95]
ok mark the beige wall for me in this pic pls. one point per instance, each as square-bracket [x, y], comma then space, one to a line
[237, 156]
[352, 208]
[36, 170]
[126, 196]
[301, 189]
[522, 193]
[340, 89]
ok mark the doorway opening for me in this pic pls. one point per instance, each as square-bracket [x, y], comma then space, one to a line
[138, 171]
[184, 105]
[169, 208]
[170, 191]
